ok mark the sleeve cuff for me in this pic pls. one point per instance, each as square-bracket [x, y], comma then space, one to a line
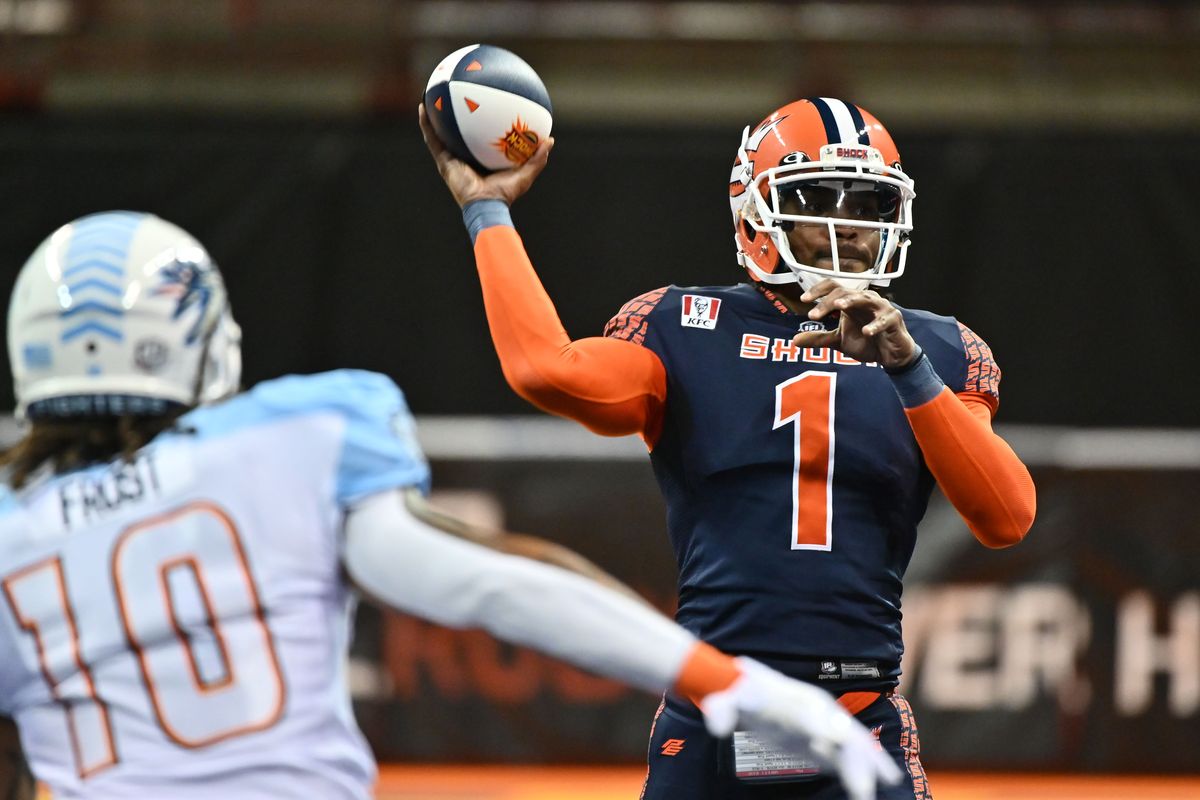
[480, 214]
[917, 383]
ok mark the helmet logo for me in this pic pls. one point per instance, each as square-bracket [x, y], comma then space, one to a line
[38, 355]
[794, 158]
[190, 283]
[860, 153]
[757, 137]
[150, 355]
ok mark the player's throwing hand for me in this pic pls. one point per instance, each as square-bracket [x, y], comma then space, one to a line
[467, 185]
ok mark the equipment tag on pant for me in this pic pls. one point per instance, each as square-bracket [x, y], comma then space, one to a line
[756, 759]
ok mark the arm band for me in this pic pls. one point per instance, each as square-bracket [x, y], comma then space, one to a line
[916, 383]
[480, 214]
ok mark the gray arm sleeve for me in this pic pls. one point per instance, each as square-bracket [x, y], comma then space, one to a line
[422, 570]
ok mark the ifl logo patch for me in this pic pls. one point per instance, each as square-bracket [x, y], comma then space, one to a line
[699, 312]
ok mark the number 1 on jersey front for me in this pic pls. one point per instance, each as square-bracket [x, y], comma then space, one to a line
[807, 401]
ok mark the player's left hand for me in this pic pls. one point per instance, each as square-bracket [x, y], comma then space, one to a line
[869, 327]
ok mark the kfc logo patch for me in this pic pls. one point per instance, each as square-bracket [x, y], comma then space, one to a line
[699, 312]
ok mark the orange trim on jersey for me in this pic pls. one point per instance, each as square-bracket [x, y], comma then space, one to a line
[977, 470]
[189, 562]
[54, 563]
[705, 671]
[774, 298]
[630, 322]
[613, 387]
[983, 373]
[197, 507]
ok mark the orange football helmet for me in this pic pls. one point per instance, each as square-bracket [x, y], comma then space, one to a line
[820, 157]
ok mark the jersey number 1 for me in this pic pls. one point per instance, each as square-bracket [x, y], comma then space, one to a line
[806, 402]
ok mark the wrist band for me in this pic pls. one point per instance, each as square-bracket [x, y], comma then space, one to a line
[912, 363]
[480, 214]
[917, 382]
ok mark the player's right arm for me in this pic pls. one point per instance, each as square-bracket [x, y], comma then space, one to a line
[409, 564]
[613, 387]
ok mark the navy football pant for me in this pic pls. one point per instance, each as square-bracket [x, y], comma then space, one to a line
[685, 763]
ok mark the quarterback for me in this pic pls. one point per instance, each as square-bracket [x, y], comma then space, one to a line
[797, 423]
[179, 561]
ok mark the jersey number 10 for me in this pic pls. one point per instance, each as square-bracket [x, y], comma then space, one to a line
[220, 678]
[806, 402]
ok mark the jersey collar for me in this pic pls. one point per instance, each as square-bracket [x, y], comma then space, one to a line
[774, 298]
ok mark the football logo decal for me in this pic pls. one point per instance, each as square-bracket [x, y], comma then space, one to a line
[519, 143]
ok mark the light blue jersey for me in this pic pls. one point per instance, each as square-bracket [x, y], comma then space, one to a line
[184, 614]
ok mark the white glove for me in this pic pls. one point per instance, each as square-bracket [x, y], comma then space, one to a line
[795, 715]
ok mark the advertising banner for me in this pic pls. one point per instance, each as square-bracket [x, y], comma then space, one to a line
[1079, 649]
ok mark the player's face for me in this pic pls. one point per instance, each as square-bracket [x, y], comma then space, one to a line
[857, 247]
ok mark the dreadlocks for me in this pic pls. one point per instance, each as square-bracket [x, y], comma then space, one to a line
[69, 444]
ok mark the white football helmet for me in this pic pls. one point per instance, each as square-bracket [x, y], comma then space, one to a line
[120, 313]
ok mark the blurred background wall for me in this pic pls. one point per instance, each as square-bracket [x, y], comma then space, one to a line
[1057, 164]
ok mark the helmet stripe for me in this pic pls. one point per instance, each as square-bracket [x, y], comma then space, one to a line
[94, 263]
[860, 124]
[95, 327]
[91, 307]
[95, 283]
[847, 120]
[98, 249]
[827, 118]
[847, 132]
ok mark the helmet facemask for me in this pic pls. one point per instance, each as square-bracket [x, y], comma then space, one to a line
[797, 168]
[835, 193]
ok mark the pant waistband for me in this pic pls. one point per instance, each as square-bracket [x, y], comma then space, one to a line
[854, 702]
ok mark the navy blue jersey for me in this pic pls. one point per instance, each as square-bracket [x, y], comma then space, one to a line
[792, 478]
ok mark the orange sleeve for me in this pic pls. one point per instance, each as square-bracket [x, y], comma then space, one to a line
[705, 671]
[977, 470]
[611, 386]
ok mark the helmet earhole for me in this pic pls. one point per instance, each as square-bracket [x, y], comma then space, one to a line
[91, 348]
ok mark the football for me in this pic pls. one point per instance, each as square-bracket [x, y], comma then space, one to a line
[488, 107]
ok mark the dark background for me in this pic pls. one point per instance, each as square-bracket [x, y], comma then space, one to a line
[1072, 253]
[1057, 164]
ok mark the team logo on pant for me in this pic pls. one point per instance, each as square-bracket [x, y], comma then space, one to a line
[699, 311]
[673, 747]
